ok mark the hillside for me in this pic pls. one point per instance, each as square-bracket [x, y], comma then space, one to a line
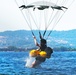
[23, 38]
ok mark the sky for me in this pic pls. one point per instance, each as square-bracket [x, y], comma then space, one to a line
[12, 19]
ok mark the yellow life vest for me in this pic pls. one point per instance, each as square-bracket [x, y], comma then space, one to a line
[34, 53]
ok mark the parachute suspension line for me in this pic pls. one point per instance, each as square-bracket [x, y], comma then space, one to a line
[40, 20]
[34, 21]
[62, 14]
[51, 18]
[45, 17]
[54, 22]
[23, 15]
[48, 24]
[63, 2]
[27, 13]
[57, 13]
[25, 19]
[44, 33]
[38, 24]
[40, 35]
[45, 23]
[31, 16]
[55, 25]
[58, 20]
[45, 20]
[50, 21]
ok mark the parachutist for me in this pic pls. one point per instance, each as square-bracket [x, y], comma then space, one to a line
[42, 47]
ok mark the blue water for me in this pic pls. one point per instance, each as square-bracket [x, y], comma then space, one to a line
[60, 63]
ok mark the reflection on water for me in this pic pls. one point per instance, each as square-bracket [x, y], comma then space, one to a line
[61, 63]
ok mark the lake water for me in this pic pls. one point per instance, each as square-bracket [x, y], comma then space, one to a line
[61, 63]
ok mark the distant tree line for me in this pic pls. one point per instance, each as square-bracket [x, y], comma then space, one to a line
[62, 48]
[13, 48]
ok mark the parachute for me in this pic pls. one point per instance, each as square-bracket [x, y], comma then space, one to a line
[43, 14]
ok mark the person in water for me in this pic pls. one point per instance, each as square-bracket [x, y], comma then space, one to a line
[42, 46]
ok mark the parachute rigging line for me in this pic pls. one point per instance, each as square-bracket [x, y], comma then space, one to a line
[25, 19]
[58, 20]
[31, 15]
[49, 13]
[63, 2]
[54, 26]
[49, 24]
[33, 20]
[51, 21]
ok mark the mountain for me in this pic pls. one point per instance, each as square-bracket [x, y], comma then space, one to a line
[23, 38]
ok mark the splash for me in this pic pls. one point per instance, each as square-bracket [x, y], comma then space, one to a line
[29, 61]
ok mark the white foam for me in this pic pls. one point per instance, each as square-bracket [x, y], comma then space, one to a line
[29, 61]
